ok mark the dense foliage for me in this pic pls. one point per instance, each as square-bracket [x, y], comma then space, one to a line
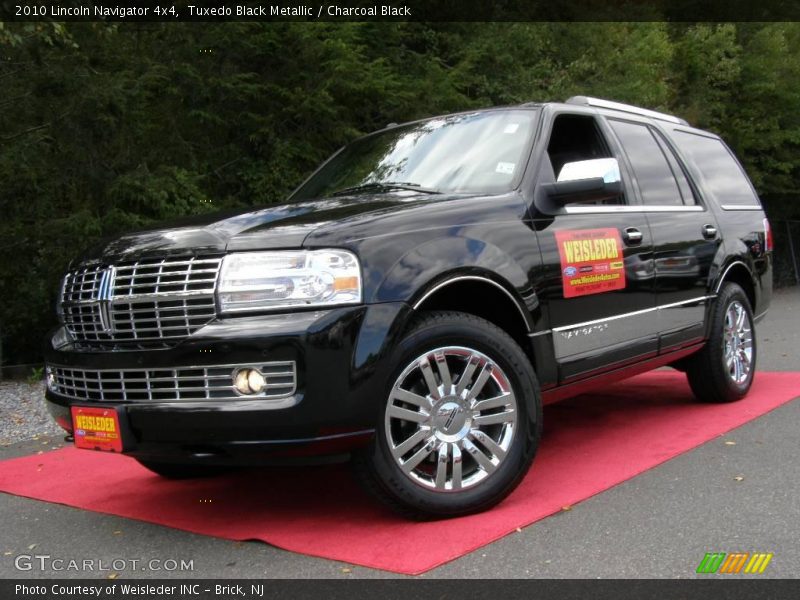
[105, 128]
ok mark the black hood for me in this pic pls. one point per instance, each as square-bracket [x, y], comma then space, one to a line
[279, 226]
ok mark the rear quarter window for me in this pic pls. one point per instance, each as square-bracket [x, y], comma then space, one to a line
[722, 175]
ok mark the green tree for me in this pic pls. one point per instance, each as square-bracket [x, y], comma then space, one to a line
[107, 128]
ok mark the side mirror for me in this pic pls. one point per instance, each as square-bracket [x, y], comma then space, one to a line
[586, 181]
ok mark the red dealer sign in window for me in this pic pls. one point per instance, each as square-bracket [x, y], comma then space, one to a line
[591, 261]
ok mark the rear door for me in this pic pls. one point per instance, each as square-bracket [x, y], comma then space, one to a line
[685, 232]
[599, 277]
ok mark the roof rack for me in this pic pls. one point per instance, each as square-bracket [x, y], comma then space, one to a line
[628, 108]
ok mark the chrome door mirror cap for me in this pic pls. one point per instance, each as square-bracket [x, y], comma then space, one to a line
[605, 168]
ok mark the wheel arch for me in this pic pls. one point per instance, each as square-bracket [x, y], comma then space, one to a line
[738, 272]
[484, 296]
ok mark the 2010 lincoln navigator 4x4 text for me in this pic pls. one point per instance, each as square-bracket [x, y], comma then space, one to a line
[418, 298]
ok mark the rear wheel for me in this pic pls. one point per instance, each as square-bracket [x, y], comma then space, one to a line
[181, 470]
[460, 423]
[723, 370]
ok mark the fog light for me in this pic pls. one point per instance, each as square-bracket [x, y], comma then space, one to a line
[249, 381]
[256, 381]
[240, 382]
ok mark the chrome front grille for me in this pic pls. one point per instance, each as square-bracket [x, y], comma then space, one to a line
[144, 301]
[166, 277]
[176, 384]
[147, 319]
[84, 322]
[82, 285]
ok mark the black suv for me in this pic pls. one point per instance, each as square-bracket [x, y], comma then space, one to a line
[417, 300]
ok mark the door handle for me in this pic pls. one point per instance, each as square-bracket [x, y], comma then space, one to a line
[709, 232]
[633, 236]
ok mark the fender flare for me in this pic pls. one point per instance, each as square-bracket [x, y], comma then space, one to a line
[419, 273]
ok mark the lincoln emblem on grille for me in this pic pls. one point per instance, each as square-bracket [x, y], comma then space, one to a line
[105, 292]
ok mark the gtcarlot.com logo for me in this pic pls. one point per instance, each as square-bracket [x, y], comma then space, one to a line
[734, 562]
[46, 562]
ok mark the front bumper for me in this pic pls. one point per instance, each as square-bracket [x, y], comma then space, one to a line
[341, 368]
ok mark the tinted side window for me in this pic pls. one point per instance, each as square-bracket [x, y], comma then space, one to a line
[721, 172]
[653, 173]
[677, 170]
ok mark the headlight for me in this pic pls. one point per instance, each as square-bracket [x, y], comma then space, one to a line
[252, 281]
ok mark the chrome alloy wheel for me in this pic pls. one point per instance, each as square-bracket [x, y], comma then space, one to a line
[737, 342]
[450, 419]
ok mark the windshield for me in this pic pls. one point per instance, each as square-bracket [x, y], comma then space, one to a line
[470, 153]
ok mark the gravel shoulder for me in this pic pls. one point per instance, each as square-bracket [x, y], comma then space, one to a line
[23, 415]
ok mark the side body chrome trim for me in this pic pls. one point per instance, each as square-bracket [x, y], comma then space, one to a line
[538, 333]
[740, 207]
[622, 316]
[634, 313]
[439, 286]
[599, 334]
[623, 208]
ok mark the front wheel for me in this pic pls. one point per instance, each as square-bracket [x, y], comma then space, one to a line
[460, 422]
[723, 370]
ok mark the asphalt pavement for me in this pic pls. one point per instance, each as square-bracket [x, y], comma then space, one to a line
[719, 497]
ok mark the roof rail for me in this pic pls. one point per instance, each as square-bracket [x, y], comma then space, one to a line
[628, 108]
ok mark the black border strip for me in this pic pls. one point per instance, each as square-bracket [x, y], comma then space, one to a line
[401, 589]
[172, 11]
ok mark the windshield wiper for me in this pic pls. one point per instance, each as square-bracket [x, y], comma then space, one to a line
[384, 186]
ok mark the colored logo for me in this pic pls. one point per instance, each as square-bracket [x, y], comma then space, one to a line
[570, 271]
[734, 562]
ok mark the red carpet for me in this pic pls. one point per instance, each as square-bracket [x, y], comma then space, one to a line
[590, 444]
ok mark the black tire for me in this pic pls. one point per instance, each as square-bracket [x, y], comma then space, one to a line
[708, 371]
[480, 343]
[170, 470]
